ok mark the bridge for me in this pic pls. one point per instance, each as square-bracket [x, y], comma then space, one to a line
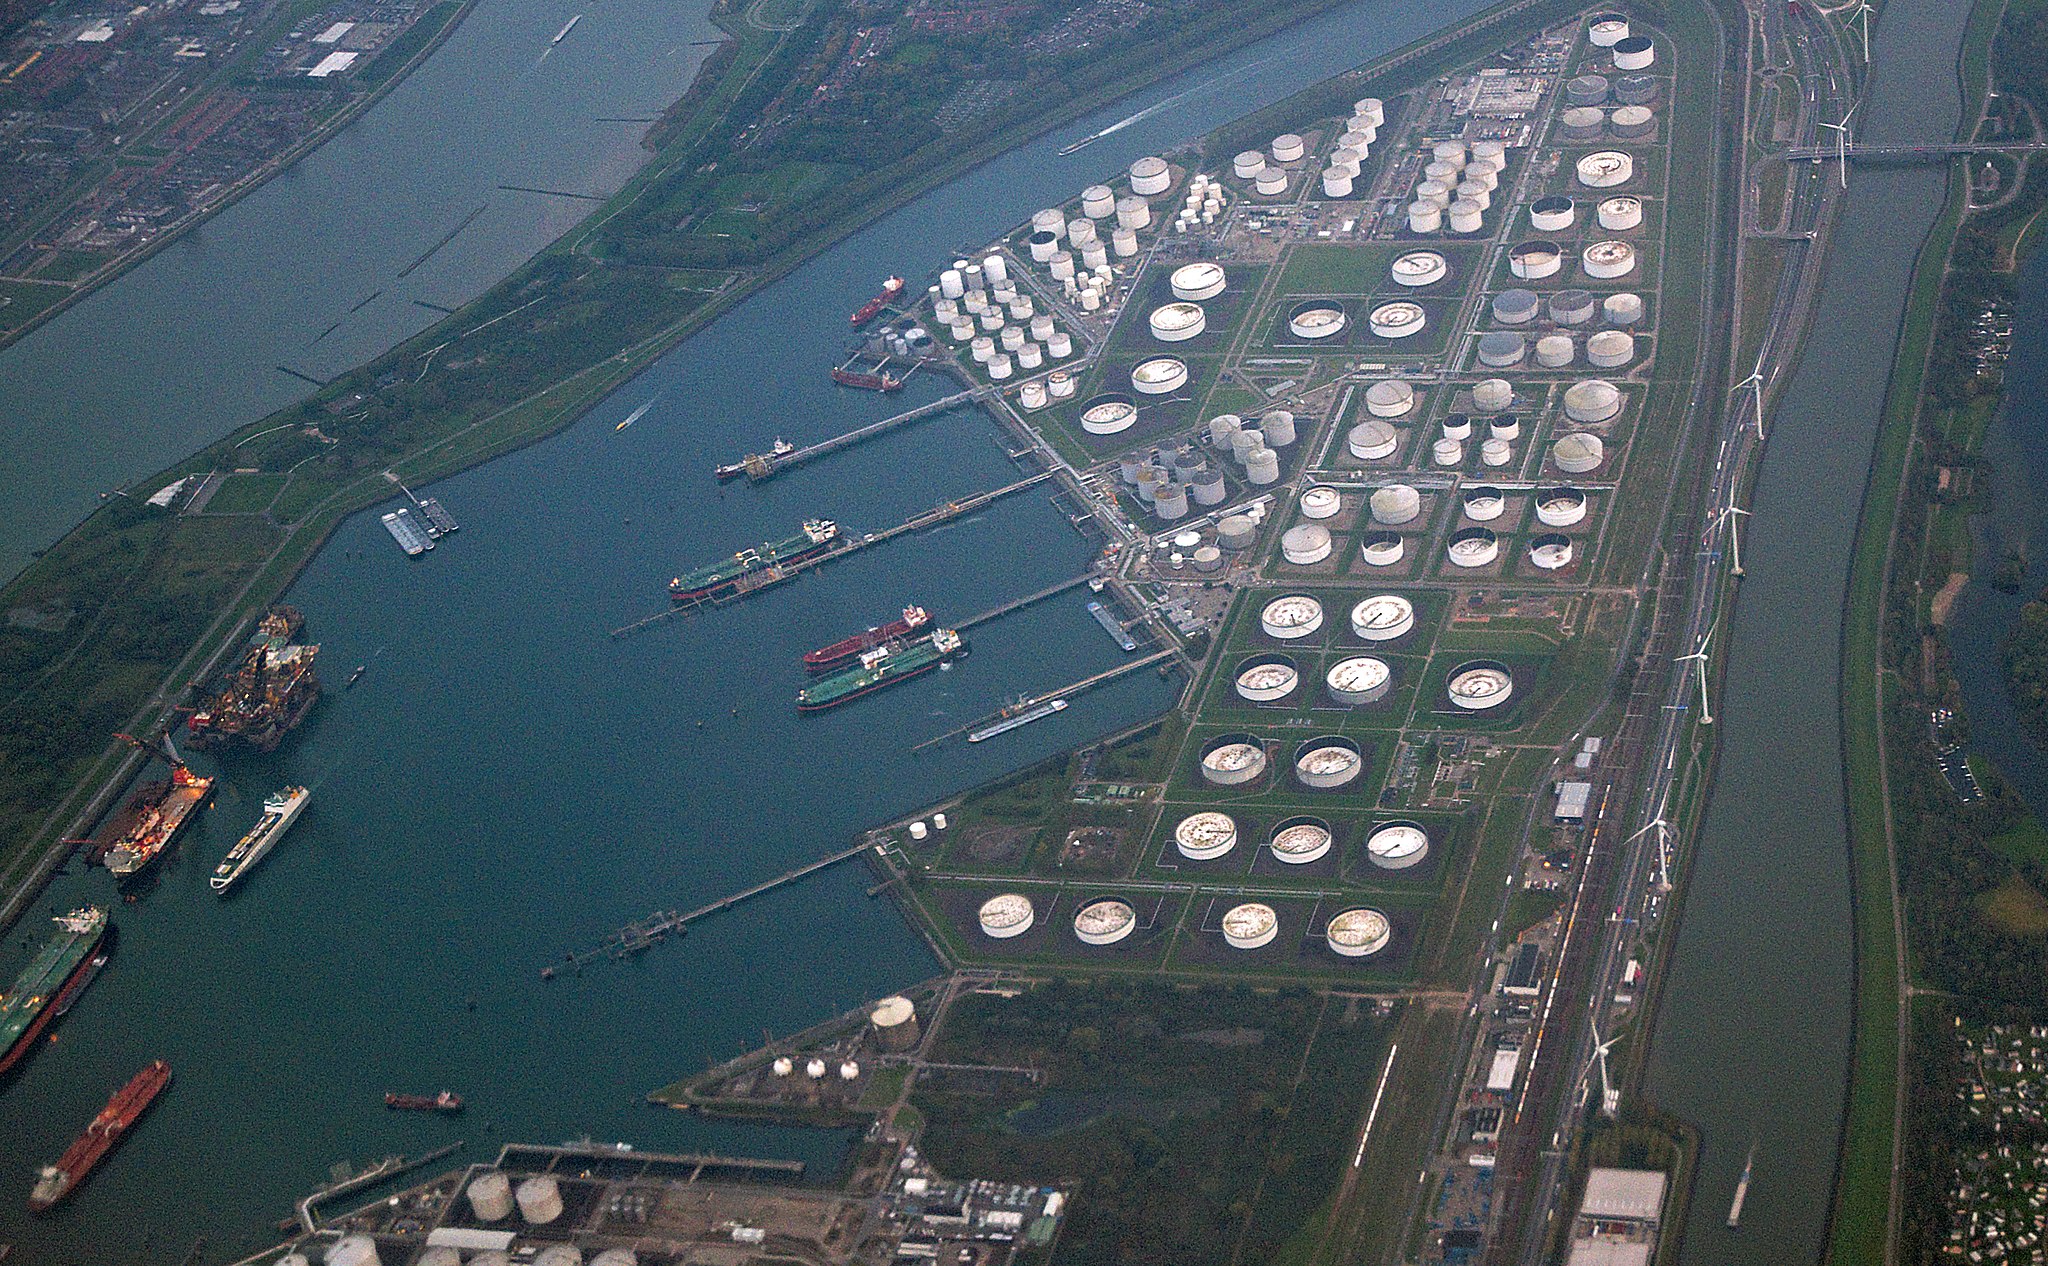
[1944, 150]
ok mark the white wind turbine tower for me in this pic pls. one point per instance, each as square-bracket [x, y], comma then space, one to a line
[1841, 131]
[1729, 514]
[1755, 383]
[1862, 15]
[1663, 830]
[1699, 657]
[1610, 1098]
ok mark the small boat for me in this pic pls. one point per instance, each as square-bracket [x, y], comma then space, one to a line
[77, 986]
[567, 27]
[634, 416]
[446, 1101]
[355, 676]
[1742, 1188]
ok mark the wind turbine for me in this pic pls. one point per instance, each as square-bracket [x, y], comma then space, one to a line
[1729, 513]
[1755, 383]
[1841, 131]
[1699, 657]
[1610, 1098]
[1863, 13]
[1663, 830]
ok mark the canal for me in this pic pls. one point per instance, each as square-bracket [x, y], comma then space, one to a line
[506, 783]
[1753, 1040]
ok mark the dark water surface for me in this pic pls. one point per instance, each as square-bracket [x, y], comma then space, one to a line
[506, 784]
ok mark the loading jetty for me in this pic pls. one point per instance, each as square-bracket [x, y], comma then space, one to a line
[1065, 692]
[389, 1167]
[759, 466]
[643, 934]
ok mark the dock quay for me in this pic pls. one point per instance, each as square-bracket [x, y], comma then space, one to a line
[757, 466]
[389, 1167]
[643, 934]
[1067, 691]
[598, 1160]
[768, 576]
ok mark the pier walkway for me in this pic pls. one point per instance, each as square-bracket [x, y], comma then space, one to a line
[644, 933]
[1067, 691]
[1018, 604]
[758, 466]
[389, 1167]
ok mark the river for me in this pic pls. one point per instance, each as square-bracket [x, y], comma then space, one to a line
[506, 783]
[1753, 1040]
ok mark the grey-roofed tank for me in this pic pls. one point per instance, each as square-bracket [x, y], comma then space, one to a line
[1592, 400]
[1395, 504]
[1389, 398]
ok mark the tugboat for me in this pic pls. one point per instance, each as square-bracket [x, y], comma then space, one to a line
[447, 1101]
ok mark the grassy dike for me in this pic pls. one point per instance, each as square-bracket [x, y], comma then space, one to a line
[1862, 1216]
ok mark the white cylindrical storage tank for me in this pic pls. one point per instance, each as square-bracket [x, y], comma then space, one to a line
[996, 269]
[1061, 344]
[490, 1196]
[976, 283]
[1262, 466]
[1250, 926]
[1395, 504]
[1550, 551]
[1171, 502]
[1573, 307]
[1223, 428]
[1480, 176]
[1381, 548]
[1094, 255]
[1059, 384]
[1555, 351]
[1277, 425]
[1133, 213]
[1383, 618]
[616, 1257]
[1552, 214]
[1207, 558]
[1371, 108]
[1327, 763]
[1124, 243]
[1425, 217]
[1243, 440]
[1620, 214]
[1358, 933]
[992, 320]
[1592, 400]
[1560, 507]
[1399, 319]
[353, 1250]
[951, 284]
[1248, 164]
[1232, 760]
[540, 1200]
[1372, 440]
[1452, 152]
[1632, 122]
[1032, 395]
[1533, 261]
[1472, 192]
[1050, 220]
[962, 330]
[1606, 169]
[558, 1255]
[1419, 268]
[1358, 680]
[1288, 148]
[1445, 174]
[1299, 841]
[1495, 451]
[1011, 338]
[1472, 547]
[1291, 617]
[1061, 266]
[1317, 319]
[1030, 357]
[1305, 544]
[1397, 845]
[1608, 29]
[1081, 232]
[1483, 503]
[1098, 202]
[1608, 260]
[1578, 453]
[1515, 306]
[436, 1255]
[1204, 837]
[1389, 398]
[1347, 160]
[1321, 502]
[1205, 484]
[1041, 326]
[983, 349]
[1196, 282]
[1266, 678]
[1355, 141]
[1043, 246]
[1271, 183]
[1622, 309]
[1480, 684]
[1336, 184]
[1176, 322]
[1457, 426]
[1104, 922]
[1504, 427]
[1610, 349]
[1150, 176]
[1447, 452]
[1159, 376]
[1499, 349]
[1001, 367]
[1235, 532]
[1492, 395]
[1489, 152]
[1006, 915]
[1436, 193]
[1636, 52]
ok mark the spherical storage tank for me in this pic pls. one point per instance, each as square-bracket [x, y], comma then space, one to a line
[1480, 684]
[1381, 548]
[1359, 679]
[1317, 319]
[1420, 268]
[1622, 309]
[1383, 617]
[1327, 763]
[1397, 845]
[1636, 52]
[1250, 926]
[540, 1199]
[1389, 398]
[1500, 349]
[1399, 319]
[1550, 551]
[1552, 214]
[1299, 841]
[1177, 322]
[1581, 123]
[1288, 148]
[1150, 175]
[1555, 351]
[1159, 376]
[1472, 547]
[1395, 504]
[1610, 349]
[1560, 507]
[1608, 260]
[1606, 169]
[1105, 922]
[1573, 307]
[1372, 440]
[1108, 415]
[1632, 122]
[1578, 453]
[1533, 261]
[1231, 760]
[1515, 306]
[1492, 395]
[1196, 282]
[1582, 91]
[1484, 503]
[1592, 400]
[1006, 915]
[1424, 217]
[1203, 837]
[1305, 544]
[1292, 616]
[1618, 215]
[490, 1196]
[1358, 933]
